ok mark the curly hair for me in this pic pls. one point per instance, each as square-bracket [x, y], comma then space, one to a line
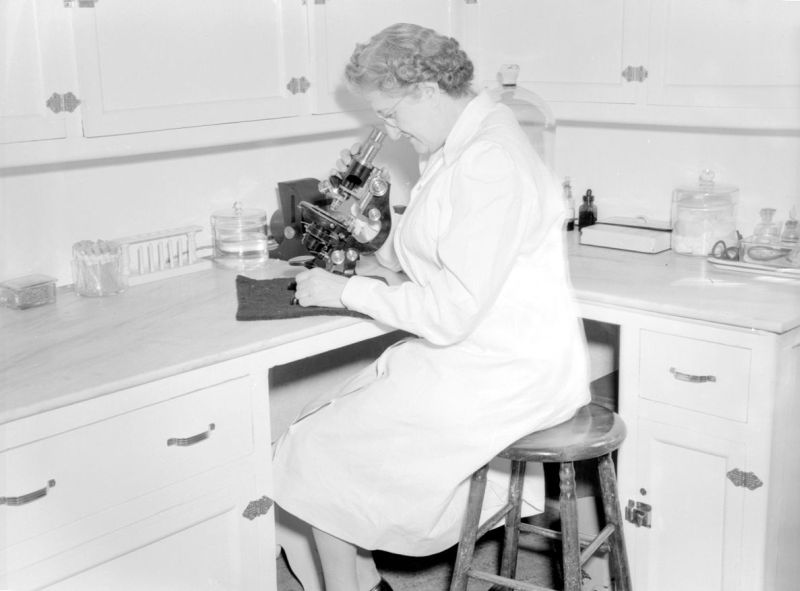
[403, 55]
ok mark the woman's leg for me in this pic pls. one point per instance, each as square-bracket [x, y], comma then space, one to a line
[342, 567]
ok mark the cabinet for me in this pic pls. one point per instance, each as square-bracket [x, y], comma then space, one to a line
[153, 65]
[677, 62]
[32, 67]
[153, 76]
[705, 478]
[338, 25]
[164, 485]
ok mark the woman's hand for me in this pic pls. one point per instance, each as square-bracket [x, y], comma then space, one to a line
[317, 287]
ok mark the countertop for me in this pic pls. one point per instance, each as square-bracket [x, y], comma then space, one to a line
[79, 348]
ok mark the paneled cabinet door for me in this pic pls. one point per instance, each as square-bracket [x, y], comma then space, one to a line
[204, 543]
[33, 66]
[740, 54]
[336, 27]
[693, 540]
[567, 50]
[151, 65]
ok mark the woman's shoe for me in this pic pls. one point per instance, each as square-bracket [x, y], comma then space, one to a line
[382, 586]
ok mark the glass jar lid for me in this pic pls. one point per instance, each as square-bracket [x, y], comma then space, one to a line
[706, 193]
[239, 217]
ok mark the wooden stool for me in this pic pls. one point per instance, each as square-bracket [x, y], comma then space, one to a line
[594, 432]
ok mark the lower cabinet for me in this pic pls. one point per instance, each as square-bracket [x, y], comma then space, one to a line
[691, 530]
[162, 486]
[709, 471]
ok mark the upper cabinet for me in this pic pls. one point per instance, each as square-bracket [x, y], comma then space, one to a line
[718, 63]
[152, 65]
[337, 25]
[567, 50]
[93, 78]
[32, 69]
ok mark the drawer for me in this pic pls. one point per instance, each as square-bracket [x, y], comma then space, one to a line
[62, 479]
[704, 376]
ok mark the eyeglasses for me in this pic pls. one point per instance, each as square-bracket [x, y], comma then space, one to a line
[390, 116]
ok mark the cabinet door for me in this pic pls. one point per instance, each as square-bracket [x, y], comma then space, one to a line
[725, 53]
[567, 50]
[695, 538]
[204, 544]
[152, 65]
[33, 66]
[338, 25]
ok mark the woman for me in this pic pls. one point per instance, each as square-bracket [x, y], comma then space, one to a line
[385, 463]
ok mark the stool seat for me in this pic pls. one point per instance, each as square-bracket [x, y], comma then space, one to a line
[593, 431]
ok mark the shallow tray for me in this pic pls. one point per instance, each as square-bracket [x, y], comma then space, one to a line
[791, 272]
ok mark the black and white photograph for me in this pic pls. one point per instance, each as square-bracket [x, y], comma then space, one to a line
[399, 295]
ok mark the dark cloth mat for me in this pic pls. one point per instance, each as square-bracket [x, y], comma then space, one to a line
[271, 299]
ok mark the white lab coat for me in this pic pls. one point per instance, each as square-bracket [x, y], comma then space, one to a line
[385, 462]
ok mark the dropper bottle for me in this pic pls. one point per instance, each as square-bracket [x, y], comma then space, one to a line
[587, 212]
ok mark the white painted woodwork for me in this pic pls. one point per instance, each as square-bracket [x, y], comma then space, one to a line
[126, 508]
[720, 63]
[34, 64]
[336, 27]
[695, 542]
[152, 65]
[170, 355]
[567, 50]
[724, 54]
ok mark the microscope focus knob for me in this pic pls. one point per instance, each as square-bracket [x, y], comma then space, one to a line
[378, 186]
[374, 214]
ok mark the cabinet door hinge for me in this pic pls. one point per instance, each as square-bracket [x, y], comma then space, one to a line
[257, 508]
[63, 102]
[635, 74]
[638, 513]
[80, 3]
[300, 85]
[746, 479]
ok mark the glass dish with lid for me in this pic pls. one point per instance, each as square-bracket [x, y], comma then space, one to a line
[702, 215]
[239, 236]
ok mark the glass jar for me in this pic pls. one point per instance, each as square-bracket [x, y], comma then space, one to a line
[702, 215]
[534, 115]
[240, 237]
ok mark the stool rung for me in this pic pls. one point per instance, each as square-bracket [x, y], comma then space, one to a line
[504, 582]
[494, 520]
[585, 540]
[598, 542]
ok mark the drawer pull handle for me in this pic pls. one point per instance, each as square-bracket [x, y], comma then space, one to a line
[187, 441]
[685, 377]
[25, 499]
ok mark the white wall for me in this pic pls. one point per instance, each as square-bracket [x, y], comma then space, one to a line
[632, 171]
[44, 210]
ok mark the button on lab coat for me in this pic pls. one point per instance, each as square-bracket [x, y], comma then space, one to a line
[385, 461]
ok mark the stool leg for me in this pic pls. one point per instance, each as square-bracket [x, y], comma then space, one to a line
[469, 530]
[570, 544]
[508, 565]
[618, 559]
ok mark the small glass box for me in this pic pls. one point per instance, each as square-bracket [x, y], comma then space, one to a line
[28, 291]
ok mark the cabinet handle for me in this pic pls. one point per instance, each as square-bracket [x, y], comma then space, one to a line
[685, 377]
[635, 74]
[25, 499]
[187, 441]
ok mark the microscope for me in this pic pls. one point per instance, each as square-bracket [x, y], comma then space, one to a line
[353, 216]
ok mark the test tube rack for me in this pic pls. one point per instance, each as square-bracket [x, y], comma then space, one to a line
[158, 255]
